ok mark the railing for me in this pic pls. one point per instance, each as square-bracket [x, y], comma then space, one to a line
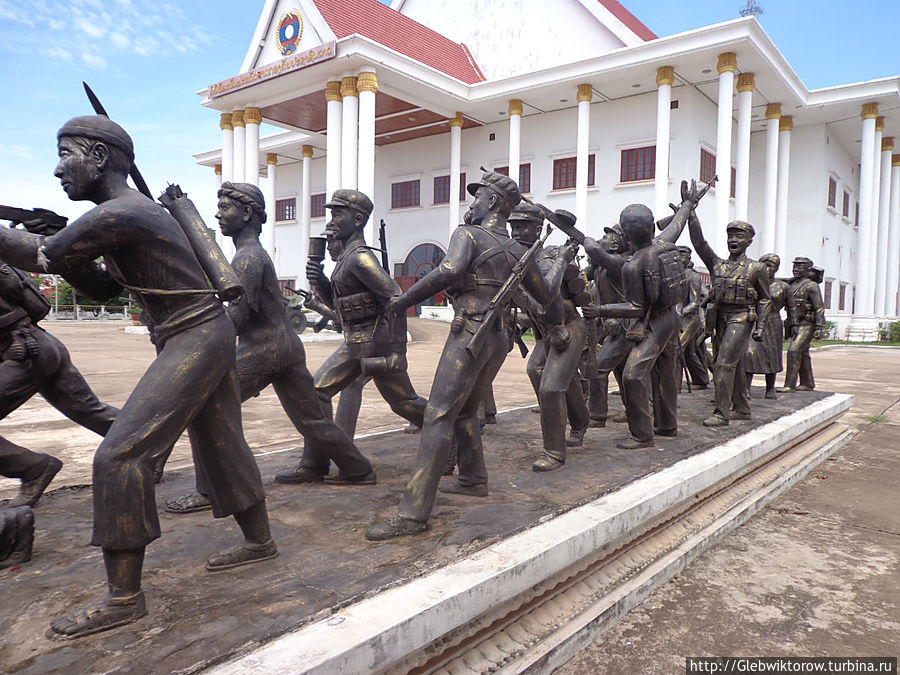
[88, 313]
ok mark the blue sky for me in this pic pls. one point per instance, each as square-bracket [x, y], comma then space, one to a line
[145, 60]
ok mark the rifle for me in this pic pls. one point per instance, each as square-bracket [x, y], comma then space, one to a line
[16, 215]
[504, 294]
[136, 176]
[663, 223]
[382, 240]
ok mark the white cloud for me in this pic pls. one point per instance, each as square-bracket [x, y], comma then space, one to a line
[94, 60]
[120, 40]
[150, 29]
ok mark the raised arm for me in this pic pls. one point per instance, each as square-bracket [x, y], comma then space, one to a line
[600, 257]
[690, 197]
[451, 269]
[703, 249]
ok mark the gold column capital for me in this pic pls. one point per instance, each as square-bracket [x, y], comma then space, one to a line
[515, 107]
[746, 82]
[773, 111]
[237, 118]
[869, 111]
[879, 124]
[457, 120]
[333, 91]
[887, 143]
[218, 169]
[271, 158]
[307, 151]
[225, 122]
[727, 63]
[665, 75]
[367, 81]
[895, 160]
[585, 93]
[252, 116]
[786, 123]
[348, 87]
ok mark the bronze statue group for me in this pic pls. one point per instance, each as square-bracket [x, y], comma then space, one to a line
[638, 310]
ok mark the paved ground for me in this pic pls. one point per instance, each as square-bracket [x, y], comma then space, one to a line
[196, 615]
[815, 574]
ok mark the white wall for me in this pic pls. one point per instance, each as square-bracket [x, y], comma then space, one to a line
[564, 29]
[614, 125]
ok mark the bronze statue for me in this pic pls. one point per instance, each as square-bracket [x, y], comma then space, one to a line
[374, 341]
[269, 351]
[481, 255]
[16, 535]
[653, 283]
[692, 325]
[192, 381]
[553, 365]
[810, 317]
[741, 308]
[608, 256]
[765, 356]
[36, 362]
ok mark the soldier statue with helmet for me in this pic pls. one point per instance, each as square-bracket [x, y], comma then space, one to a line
[741, 297]
[810, 317]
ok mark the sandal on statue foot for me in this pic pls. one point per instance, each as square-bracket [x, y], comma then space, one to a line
[245, 554]
[98, 616]
[395, 526]
[188, 503]
[32, 490]
[479, 490]
[300, 474]
[546, 463]
[715, 420]
[634, 444]
[341, 479]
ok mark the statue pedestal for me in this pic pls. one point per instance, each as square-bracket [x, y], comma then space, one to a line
[597, 534]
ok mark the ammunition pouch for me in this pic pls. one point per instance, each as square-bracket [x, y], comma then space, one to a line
[559, 337]
[383, 365]
[22, 345]
[357, 307]
[734, 291]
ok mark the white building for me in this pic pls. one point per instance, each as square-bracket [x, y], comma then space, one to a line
[586, 105]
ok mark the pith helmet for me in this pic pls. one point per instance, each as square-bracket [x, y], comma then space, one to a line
[741, 226]
[352, 199]
[529, 212]
[503, 186]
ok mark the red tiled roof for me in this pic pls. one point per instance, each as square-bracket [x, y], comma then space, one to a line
[616, 9]
[382, 24]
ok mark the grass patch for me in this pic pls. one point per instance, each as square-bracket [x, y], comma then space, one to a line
[876, 418]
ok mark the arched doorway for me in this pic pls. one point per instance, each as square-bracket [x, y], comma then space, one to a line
[420, 261]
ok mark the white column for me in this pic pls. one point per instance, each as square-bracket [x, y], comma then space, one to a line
[367, 85]
[864, 293]
[745, 86]
[218, 232]
[893, 247]
[884, 216]
[349, 133]
[515, 139]
[785, 126]
[227, 146]
[876, 196]
[237, 119]
[304, 212]
[582, 147]
[665, 77]
[455, 157]
[252, 120]
[727, 66]
[773, 115]
[267, 236]
[333, 138]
